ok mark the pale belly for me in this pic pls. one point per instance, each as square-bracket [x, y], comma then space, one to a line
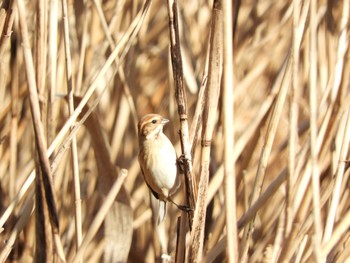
[163, 167]
[160, 171]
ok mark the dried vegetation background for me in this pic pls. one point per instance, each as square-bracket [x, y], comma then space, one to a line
[290, 81]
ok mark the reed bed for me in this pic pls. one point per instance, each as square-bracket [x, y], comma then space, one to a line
[258, 97]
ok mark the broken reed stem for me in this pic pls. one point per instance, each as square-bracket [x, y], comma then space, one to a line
[180, 95]
[74, 149]
[228, 123]
[209, 120]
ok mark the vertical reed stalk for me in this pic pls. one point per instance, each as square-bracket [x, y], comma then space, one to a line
[293, 115]
[53, 68]
[180, 95]
[74, 149]
[229, 166]
[313, 133]
[209, 121]
[44, 178]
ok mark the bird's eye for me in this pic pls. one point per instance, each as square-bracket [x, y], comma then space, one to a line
[154, 121]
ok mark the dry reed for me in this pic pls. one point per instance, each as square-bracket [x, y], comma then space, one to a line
[261, 89]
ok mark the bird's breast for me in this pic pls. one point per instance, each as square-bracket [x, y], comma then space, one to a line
[160, 167]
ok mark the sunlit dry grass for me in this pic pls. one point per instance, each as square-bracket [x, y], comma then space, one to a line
[291, 123]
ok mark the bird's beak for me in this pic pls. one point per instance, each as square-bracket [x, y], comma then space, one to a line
[164, 121]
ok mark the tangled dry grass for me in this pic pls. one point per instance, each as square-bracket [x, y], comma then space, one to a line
[74, 79]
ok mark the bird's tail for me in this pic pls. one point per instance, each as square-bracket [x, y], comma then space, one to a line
[162, 211]
[158, 210]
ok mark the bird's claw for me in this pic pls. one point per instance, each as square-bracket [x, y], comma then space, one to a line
[185, 208]
[181, 162]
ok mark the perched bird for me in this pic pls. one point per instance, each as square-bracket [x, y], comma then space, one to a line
[158, 160]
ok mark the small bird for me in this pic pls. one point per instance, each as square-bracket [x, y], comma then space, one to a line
[158, 161]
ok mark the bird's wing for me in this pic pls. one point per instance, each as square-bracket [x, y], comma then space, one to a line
[156, 195]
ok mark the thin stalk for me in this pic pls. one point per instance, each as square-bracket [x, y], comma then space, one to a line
[209, 120]
[74, 149]
[313, 132]
[79, 78]
[228, 110]
[37, 124]
[7, 16]
[293, 116]
[41, 47]
[181, 99]
[53, 69]
[14, 124]
[341, 228]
